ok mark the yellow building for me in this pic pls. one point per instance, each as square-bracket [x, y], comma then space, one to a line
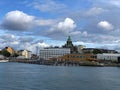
[91, 57]
[10, 50]
[78, 57]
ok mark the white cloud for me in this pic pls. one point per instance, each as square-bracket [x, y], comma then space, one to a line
[15, 42]
[9, 40]
[43, 45]
[21, 42]
[115, 3]
[85, 33]
[29, 46]
[79, 33]
[67, 25]
[48, 22]
[48, 6]
[8, 37]
[17, 20]
[64, 28]
[25, 39]
[32, 47]
[79, 43]
[105, 25]
[95, 11]
[75, 33]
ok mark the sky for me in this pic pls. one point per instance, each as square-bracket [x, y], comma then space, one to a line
[29, 24]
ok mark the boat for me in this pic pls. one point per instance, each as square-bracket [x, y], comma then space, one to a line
[4, 61]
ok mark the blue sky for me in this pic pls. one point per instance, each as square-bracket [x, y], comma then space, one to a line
[27, 24]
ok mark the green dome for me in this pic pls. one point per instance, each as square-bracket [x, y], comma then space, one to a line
[69, 39]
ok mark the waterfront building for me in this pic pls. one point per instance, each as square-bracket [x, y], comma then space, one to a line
[34, 56]
[70, 45]
[27, 54]
[48, 53]
[97, 51]
[20, 57]
[108, 57]
[78, 57]
[10, 50]
[2, 57]
[80, 48]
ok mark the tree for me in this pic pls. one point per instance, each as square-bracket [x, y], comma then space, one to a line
[16, 55]
[5, 53]
[96, 51]
[0, 52]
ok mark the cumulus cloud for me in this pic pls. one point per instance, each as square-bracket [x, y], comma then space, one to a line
[66, 26]
[42, 45]
[105, 25]
[17, 20]
[8, 37]
[21, 42]
[82, 24]
[29, 46]
[32, 47]
[8, 40]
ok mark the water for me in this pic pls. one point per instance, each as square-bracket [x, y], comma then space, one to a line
[19, 76]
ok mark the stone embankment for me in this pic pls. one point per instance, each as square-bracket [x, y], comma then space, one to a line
[69, 63]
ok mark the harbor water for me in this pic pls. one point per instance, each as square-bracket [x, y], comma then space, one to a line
[20, 76]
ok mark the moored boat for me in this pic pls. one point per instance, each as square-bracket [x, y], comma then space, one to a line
[4, 60]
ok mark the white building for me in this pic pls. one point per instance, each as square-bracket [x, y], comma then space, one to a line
[20, 57]
[80, 47]
[2, 57]
[27, 54]
[108, 56]
[48, 53]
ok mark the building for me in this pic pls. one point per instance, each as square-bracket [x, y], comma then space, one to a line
[48, 53]
[70, 45]
[97, 51]
[2, 57]
[78, 57]
[27, 54]
[20, 57]
[10, 50]
[80, 48]
[108, 57]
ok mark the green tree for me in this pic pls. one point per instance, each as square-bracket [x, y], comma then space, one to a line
[15, 55]
[5, 53]
[96, 51]
[0, 52]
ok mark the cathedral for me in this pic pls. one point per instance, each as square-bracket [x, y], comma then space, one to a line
[70, 45]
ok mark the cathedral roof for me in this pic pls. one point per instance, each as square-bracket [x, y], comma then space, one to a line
[69, 38]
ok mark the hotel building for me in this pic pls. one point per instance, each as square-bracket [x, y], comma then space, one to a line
[48, 53]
